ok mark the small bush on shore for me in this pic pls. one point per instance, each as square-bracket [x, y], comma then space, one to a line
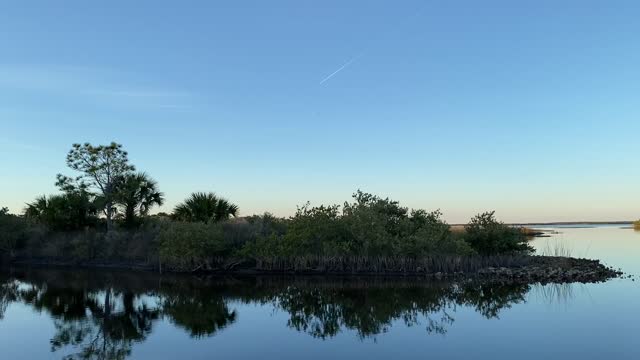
[488, 236]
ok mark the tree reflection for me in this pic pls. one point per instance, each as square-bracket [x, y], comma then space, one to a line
[201, 316]
[103, 315]
[371, 310]
[8, 294]
[100, 324]
[491, 299]
[325, 312]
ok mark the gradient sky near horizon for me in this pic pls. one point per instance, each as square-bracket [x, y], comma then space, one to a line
[529, 108]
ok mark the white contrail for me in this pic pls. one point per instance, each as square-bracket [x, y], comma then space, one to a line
[340, 69]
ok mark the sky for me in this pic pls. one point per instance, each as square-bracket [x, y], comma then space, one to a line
[527, 108]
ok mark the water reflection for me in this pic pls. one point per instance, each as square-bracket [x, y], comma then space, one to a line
[99, 323]
[101, 315]
[369, 307]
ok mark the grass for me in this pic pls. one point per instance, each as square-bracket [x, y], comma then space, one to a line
[386, 264]
[555, 248]
[555, 293]
[460, 229]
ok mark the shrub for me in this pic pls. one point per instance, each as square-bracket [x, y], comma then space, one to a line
[429, 235]
[190, 246]
[375, 224]
[14, 232]
[316, 230]
[135, 247]
[488, 236]
[381, 227]
[240, 233]
[370, 226]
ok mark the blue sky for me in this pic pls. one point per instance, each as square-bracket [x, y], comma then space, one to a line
[528, 108]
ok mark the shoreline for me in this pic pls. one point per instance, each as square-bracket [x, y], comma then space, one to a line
[552, 223]
[537, 269]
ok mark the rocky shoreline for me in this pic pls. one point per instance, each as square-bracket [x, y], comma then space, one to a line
[551, 269]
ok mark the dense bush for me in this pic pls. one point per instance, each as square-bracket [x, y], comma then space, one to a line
[381, 227]
[488, 236]
[370, 226]
[245, 232]
[14, 232]
[119, 246]
[201, 246]
[191, 246]
[315, 230]
[428, 235]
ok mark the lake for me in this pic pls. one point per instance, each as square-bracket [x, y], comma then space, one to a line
[53, 314]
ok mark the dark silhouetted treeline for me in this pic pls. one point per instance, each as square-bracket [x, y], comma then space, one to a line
[102, 217]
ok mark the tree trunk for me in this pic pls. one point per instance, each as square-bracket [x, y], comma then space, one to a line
[109, 211]
[130, 216]
[107, 304]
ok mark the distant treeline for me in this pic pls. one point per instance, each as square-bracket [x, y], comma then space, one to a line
[102, 216]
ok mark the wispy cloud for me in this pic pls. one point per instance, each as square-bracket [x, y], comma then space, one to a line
[12, 145]
[344, 66]
[96, 84]
[140, 93]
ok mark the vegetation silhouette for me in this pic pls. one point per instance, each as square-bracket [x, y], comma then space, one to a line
[70, 211]
[14, 233]
[101, 167]
[102, 217]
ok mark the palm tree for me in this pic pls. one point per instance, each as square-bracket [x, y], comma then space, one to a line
[68, 211]
[205, 207]
[38, 208]
[136, 194]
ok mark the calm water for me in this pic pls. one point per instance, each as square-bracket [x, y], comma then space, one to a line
[48, 314]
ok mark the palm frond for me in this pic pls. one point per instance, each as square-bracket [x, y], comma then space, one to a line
[205, 207]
